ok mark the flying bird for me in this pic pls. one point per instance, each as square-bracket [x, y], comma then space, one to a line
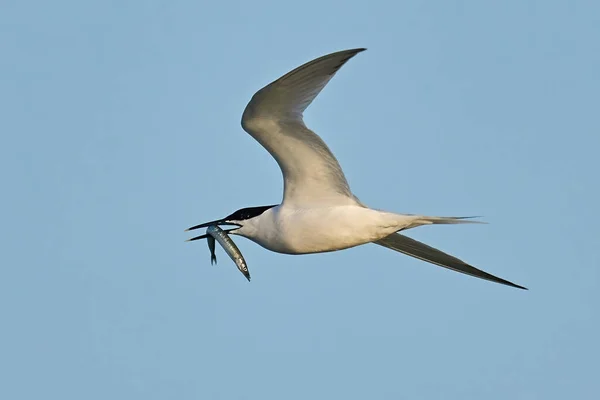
[319, 213]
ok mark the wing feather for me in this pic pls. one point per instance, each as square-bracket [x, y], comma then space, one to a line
[427, 253]
[274, 117]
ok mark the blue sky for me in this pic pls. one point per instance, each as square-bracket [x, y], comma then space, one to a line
[120, 128]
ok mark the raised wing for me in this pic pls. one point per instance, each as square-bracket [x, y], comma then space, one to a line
[273, 117]
[427, 253]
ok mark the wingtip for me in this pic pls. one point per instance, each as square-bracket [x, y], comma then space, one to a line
[357, 50]
[495, 279]
[509, 283]
[505, 282]
[521, 287]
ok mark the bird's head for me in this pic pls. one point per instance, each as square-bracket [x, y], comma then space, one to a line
[238, 218]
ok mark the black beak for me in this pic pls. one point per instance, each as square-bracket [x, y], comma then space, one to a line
[207, 224]
[206, 235]
[198, 237]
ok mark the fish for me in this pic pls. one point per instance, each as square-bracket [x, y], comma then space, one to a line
[229, 246]
[211, 246]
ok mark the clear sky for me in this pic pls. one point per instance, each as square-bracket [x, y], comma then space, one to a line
[120, 126]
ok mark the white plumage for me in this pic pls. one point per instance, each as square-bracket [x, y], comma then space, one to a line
[319, 212]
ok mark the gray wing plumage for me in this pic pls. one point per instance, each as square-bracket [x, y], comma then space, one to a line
[427, 253]
[274, 117]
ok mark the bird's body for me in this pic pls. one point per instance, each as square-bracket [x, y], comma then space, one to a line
[319, 213]
[295, 230]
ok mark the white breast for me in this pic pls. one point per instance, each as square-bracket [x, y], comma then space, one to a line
[315, 230]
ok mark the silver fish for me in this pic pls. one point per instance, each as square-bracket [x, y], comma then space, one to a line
[211, 246]
[230, 248]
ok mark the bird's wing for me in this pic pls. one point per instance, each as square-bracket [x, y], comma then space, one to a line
[427, 253]
[274, 118]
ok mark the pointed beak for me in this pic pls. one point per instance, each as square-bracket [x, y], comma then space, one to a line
[207, 224]
[198, 237]
[207, 235]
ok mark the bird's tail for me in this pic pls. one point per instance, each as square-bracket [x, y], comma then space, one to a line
[425, 220]
[409, 221]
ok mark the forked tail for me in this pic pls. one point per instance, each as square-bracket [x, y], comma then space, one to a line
[425, 220]
[410, 221]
